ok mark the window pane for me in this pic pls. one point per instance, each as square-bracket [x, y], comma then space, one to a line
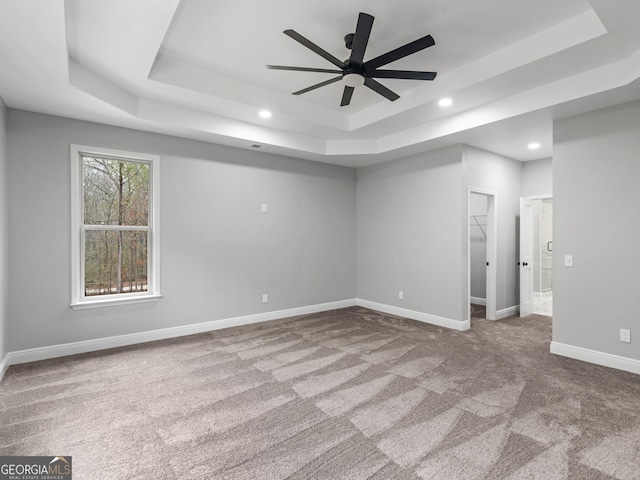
[115, 192]
[115, 262]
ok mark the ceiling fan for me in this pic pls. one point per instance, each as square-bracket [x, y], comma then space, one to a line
[355, 71]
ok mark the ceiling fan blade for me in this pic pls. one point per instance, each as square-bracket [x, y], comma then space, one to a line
[303, 69]
[312, 46]
[346, 96]
[403, 74]
[360, 39]
[381, 89]
[318, 85]
[398, 53]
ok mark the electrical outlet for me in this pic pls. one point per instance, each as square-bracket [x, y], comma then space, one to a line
[625, 335]
[401, 295]
[264, 208]
[265, 298]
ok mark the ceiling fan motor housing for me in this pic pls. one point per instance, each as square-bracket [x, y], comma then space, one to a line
[348, 40]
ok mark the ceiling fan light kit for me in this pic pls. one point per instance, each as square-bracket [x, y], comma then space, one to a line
[355, 71]
[353, 79]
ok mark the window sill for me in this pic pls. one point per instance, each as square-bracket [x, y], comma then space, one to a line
[112, 302]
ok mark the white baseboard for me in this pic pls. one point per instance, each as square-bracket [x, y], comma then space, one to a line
[507, 312]
[478, 301]
[412, 314]
[4, 365]
[54, 351]
[594, 356]
[43, 353]
[74, 348]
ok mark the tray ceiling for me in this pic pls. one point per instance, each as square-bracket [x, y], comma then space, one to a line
[196, 69]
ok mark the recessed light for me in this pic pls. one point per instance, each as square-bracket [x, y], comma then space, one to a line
[265, 113]
[445, 102]
[533, 146]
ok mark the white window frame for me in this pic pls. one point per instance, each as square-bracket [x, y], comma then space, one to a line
[78, 298]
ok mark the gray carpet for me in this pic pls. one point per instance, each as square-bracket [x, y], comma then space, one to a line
[478, 311]
[347, 394]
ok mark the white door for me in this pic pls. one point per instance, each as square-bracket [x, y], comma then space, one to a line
[526, 258]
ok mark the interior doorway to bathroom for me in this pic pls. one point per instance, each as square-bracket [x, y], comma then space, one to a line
[536, 255]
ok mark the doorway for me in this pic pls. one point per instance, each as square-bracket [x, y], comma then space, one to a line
[481, 253]
[536, 248]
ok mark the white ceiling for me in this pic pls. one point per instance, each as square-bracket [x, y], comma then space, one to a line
[197, 69]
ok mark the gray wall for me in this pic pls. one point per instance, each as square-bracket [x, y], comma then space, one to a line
[4, 240]
[504, 176]
[537, 177]
[219, 254]
[596, 176]
[410, 234]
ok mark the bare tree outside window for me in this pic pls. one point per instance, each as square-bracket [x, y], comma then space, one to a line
[115, 196]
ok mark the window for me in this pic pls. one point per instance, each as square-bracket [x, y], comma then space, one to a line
[114, 227]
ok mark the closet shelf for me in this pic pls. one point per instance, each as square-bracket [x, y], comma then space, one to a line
[476, 223]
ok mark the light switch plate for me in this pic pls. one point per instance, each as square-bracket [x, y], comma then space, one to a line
[568, 260]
